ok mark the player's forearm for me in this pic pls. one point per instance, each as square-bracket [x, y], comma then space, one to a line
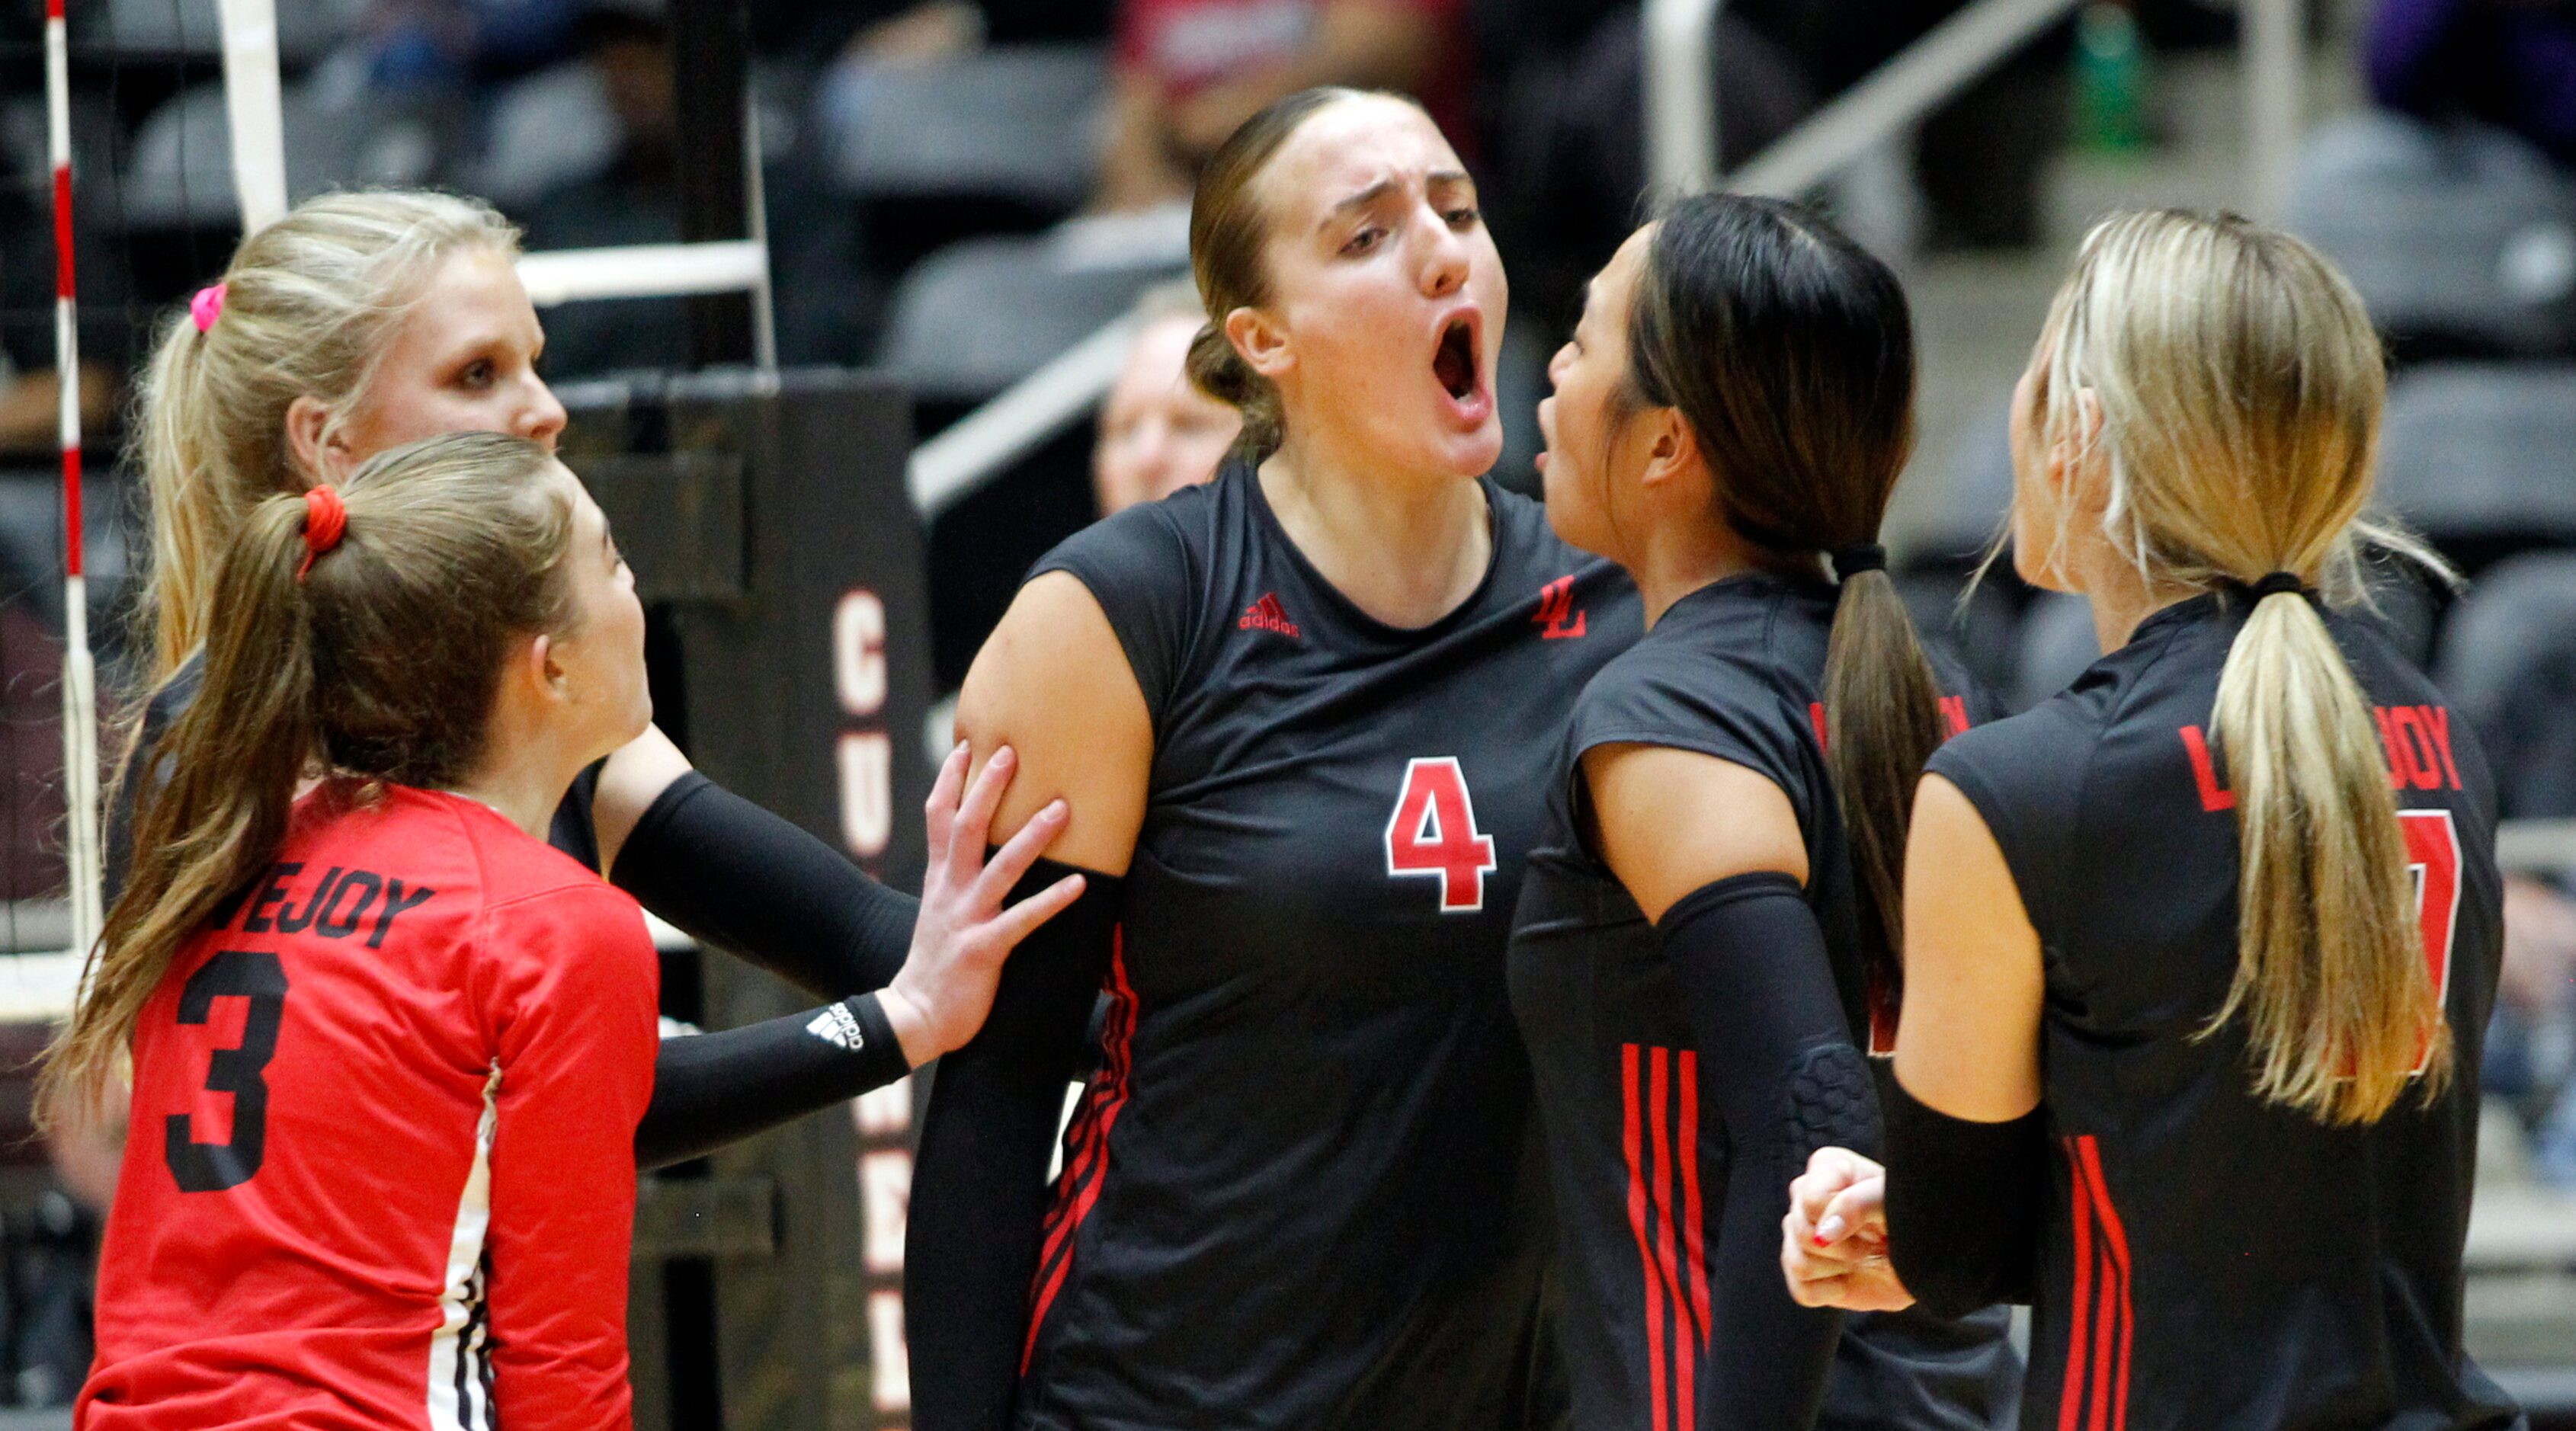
[737, 876]
[971, 1246]
[1964, 1204]
[716, 1088]
[1768, 1356]
[979, 1180]
[1778, 1065]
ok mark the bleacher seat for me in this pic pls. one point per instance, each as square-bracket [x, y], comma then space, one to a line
[180, 171]
[979, 315]
[2509, 665]
[167, 28]
[551, 128]
[2458, 237]
[2482, 457]
[1002, 140]
[1014, 121]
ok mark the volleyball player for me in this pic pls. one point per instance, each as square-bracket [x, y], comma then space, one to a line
[1698, 938]
[1303, 715]
[389, 1050]
[2199, 954]
[364, 320]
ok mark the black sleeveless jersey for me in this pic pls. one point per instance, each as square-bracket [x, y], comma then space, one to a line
[2209, 1260]
[1295, 1194]
[1733, 670]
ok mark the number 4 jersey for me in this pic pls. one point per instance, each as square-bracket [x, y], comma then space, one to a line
[381, 1169]
[1296, 1193]
[2210, 1260]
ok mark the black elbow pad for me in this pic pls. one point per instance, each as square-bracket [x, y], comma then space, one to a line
[1833, 1103]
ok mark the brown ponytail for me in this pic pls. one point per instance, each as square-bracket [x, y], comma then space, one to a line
[2240, 384]
[381, 664]
[1790, 351]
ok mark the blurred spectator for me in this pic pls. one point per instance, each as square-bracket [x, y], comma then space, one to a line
[428, 45]
[635, 199]
[2509, 62]
[1190, 71]
[1158, 432]
[2533, 1040]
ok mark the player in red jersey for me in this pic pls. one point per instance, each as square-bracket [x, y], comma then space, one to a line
[389, 1049]
[362, 321]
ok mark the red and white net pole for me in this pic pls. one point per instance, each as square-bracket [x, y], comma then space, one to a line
[80, 683]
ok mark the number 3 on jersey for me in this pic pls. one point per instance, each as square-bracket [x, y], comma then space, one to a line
[1433, 833]
[2433, 858]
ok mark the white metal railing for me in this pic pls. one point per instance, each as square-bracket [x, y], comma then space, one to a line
[2537, 846]
[1681, 100]
[1893, 96]
[1680, 94]
[650, 270]
[968, 453]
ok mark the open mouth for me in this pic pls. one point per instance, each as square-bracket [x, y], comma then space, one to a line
[1454, 364]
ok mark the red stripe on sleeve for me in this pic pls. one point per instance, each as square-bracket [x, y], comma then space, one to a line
[1630, 1139]
[1117, 1045]
[1659, 1104]
[2116, 1238]
[2070, 1405]
[1693, 1243]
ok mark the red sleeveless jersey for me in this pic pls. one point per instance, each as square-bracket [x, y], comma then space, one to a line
[381, 1169]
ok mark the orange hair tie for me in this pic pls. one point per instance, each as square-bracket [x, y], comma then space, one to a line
[325, 519]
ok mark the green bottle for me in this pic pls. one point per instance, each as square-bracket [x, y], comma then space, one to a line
[2110, 80]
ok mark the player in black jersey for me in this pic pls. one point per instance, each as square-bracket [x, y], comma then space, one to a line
[1304, 716]
[1698, 939]
[2199, 954]
[363, 321]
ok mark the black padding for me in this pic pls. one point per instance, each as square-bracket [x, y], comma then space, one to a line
[1833, 1102]
[1964, 1204]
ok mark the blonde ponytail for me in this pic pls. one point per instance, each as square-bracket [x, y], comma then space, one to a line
[2338, 1003]
[2240, 386]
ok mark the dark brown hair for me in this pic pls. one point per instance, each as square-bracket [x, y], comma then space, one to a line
[1790, 351]
[1229, 230]
[381, 664]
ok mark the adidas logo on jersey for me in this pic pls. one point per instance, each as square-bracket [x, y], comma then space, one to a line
[1268, 615]
[839, 1027]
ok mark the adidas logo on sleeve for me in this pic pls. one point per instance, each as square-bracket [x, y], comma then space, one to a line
[839, 1027]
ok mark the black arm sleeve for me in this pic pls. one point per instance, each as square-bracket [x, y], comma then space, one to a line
[711, 1089]
[1777, 1063]
[979, 1184]
[737, 876]
[1964, 1201]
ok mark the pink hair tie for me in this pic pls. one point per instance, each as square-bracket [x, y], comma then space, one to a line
[207, 306]
[324, 520]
